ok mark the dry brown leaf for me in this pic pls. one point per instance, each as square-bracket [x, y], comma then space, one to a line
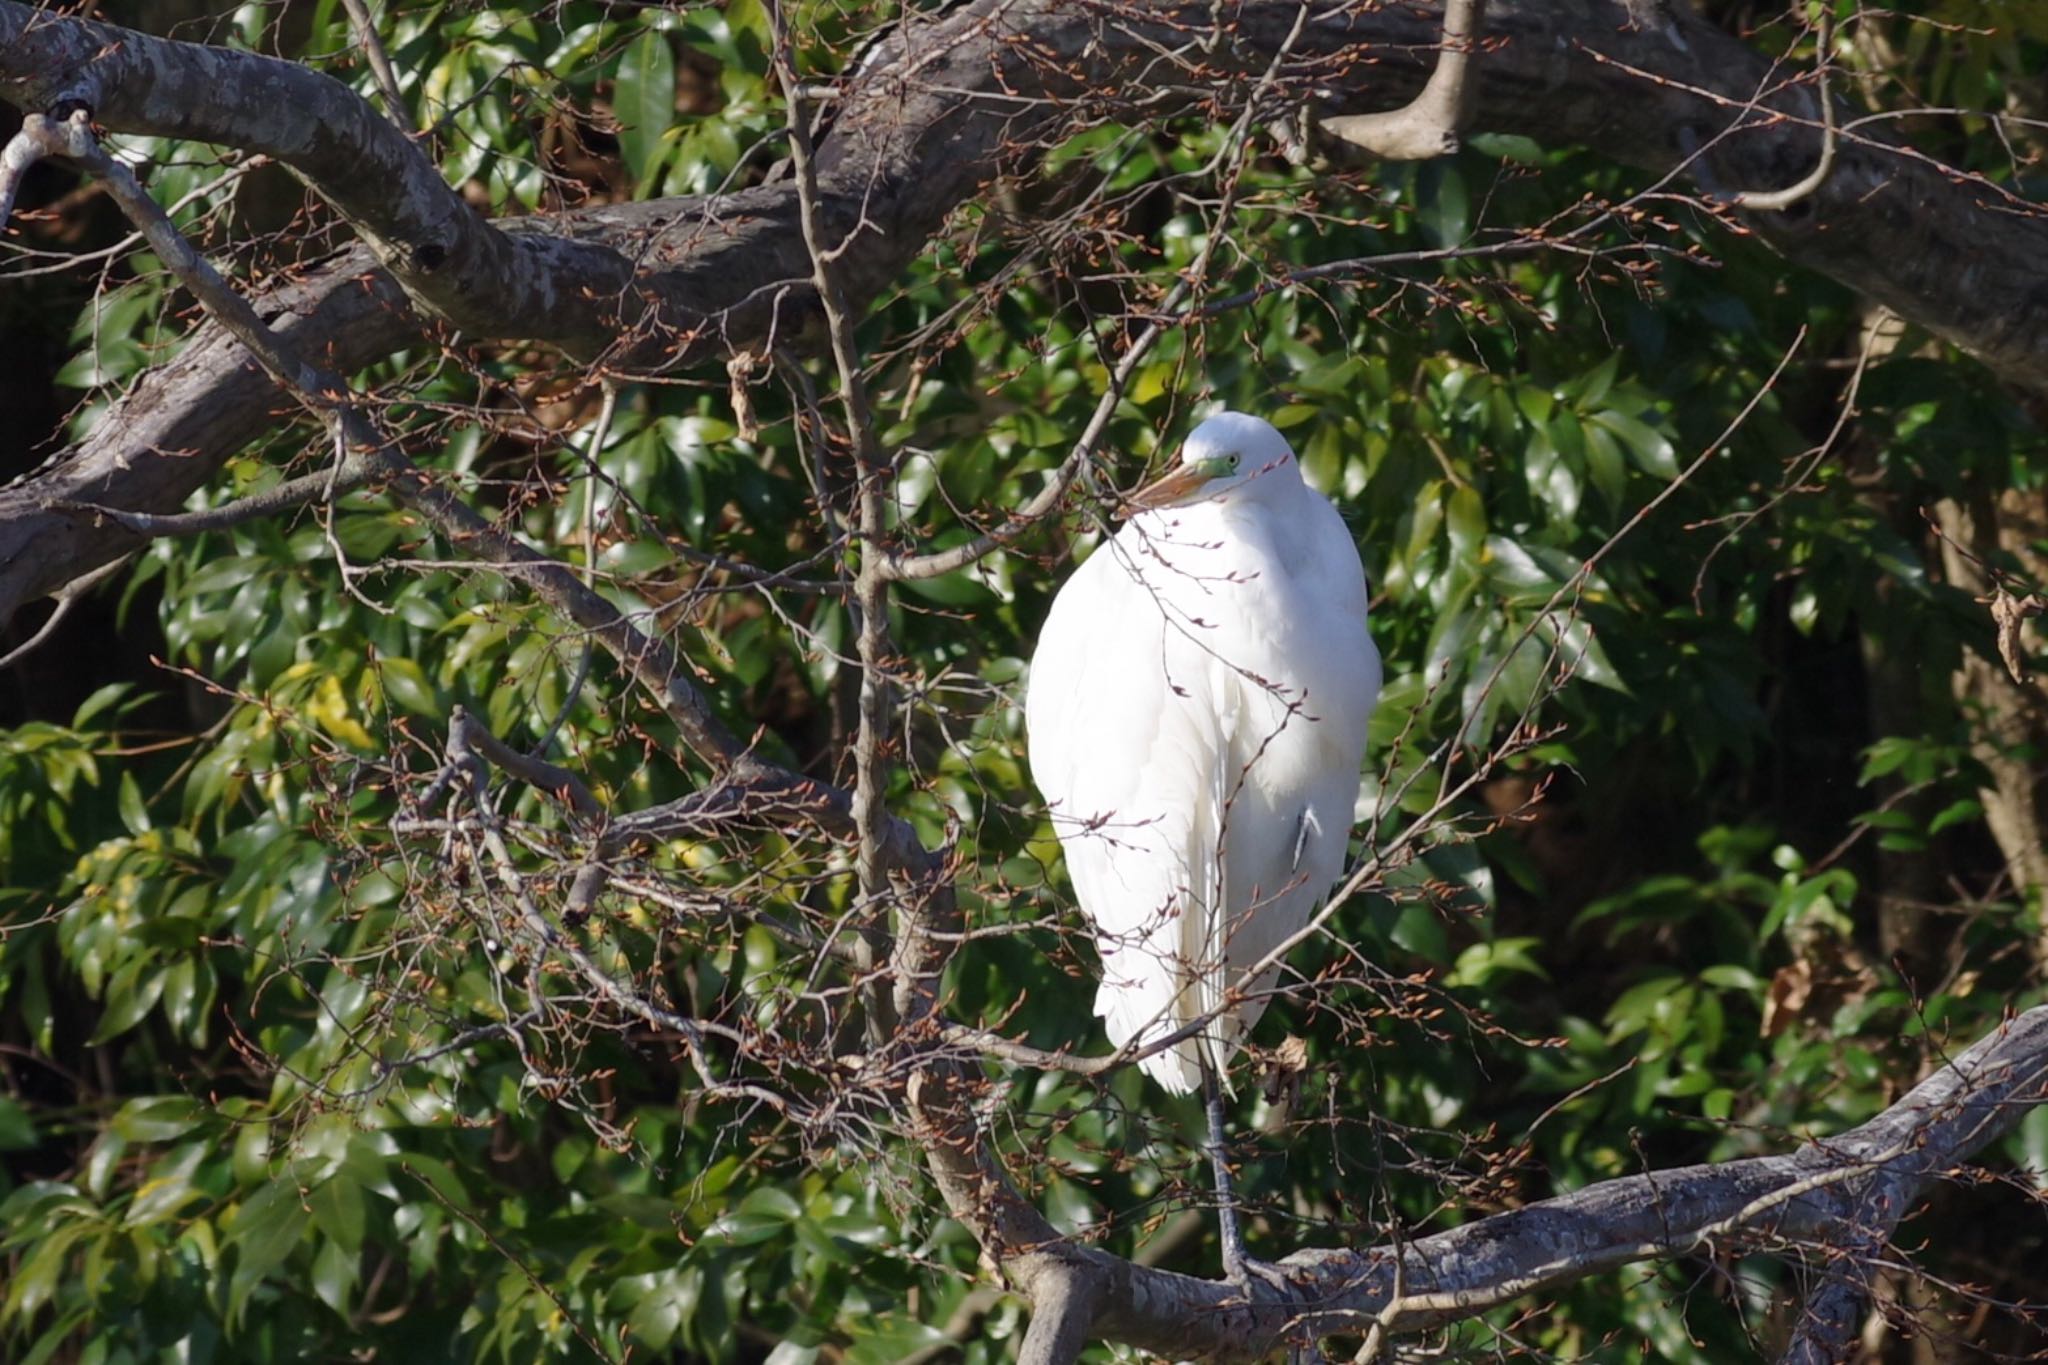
[1791, 988]
[739, 370]
[2009, 613]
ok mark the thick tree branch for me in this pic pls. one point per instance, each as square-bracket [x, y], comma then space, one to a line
[1829, 1193]
[440, 250]
[170, 434]
[1829, 1326]
[1062, 1310]
[929, 119]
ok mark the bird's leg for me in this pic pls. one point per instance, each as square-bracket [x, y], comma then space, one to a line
[1238, 1265]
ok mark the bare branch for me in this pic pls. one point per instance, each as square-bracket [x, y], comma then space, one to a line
[22, 151]
[68, 597]
[355, 471]
[1429, 125]
[1062, 1308]
[365, 27]
[468, 736]
[923, 124]
[872, 475]
[1763, 201]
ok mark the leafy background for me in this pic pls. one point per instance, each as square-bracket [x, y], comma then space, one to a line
[1734, 888]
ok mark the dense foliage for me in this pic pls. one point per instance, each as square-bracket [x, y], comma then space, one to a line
[1652, 530]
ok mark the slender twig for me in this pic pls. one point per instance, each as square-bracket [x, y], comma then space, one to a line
[68, 597]
[355, 471]
[541, 1286]
[872, 473]
[365, 26]
[599, 432]
[1049, 498]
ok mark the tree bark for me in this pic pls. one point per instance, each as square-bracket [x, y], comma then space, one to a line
[929, 119]
[2008, 717]
[1840, 1194]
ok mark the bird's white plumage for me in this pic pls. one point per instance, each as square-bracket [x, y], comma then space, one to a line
[1197, 711]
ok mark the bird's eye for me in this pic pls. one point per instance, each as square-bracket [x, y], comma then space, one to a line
[1233, 459]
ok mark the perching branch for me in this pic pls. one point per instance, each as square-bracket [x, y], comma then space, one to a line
[1829, 1193]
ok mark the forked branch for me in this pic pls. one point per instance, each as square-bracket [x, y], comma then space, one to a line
[1432, 123]
[1831, 1193]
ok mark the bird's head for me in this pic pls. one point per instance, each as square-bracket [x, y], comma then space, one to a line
[1228, 451]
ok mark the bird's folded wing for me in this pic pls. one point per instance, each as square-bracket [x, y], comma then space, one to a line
[1122, 712]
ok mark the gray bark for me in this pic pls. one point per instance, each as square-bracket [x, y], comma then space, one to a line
[931, 117]
[1844, 1194]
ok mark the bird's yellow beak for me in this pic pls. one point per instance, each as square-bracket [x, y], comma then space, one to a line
[1177, 487]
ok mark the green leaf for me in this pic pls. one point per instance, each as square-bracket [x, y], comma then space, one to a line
[1419, 930]
[1466, 515]
[98, 702]
[1729, 976]
[1956, 812]
[158, 1118]
[1580, 650]
[644, 101]
[1604, 463]
[134, 813]
[169, 1189]
[1651, 449]
[132, 993]
[337, 1205]
[17, 1129]
[335, 1274]
[667, 1299]
[265, 1231]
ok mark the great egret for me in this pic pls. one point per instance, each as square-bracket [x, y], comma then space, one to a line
[1197, 712]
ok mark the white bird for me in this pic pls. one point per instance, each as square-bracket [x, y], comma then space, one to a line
[1197, 713]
